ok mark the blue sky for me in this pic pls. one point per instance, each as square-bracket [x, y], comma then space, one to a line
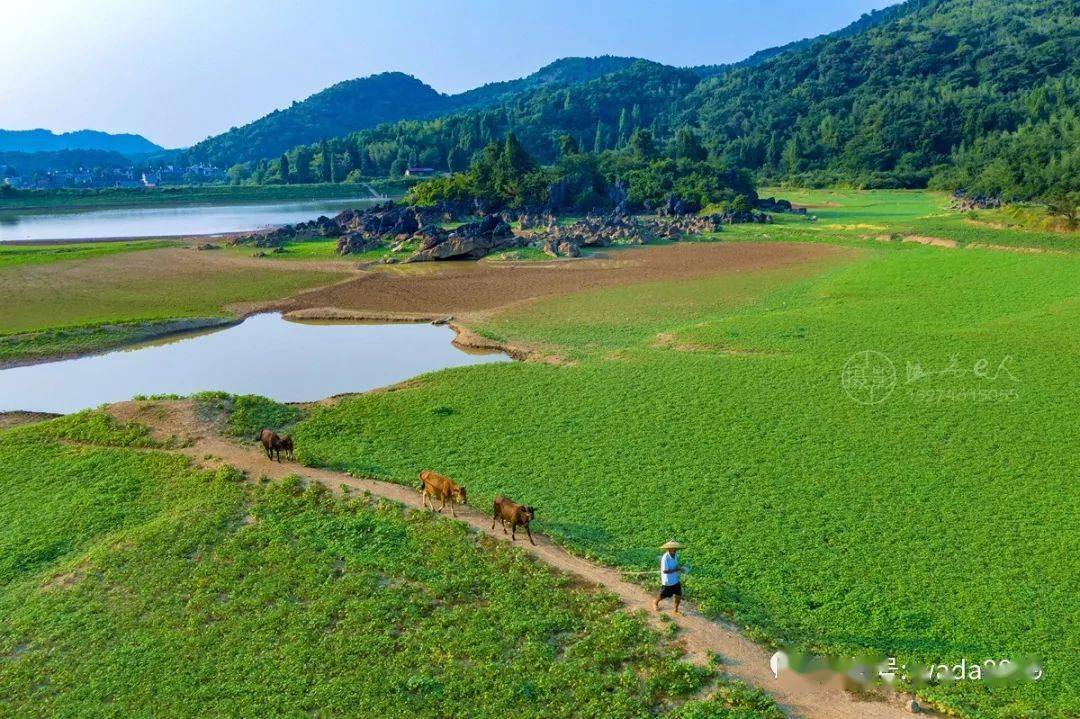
[179, 70]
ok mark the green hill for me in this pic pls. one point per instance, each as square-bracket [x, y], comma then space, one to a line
[369, 101]
[980, 94]
[48, 141]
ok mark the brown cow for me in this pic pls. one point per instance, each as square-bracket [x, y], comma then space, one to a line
[271, 443]
[287, 446]
[435, 486]
[517, 515]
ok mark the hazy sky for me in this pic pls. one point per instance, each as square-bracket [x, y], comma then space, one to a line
[179, 70]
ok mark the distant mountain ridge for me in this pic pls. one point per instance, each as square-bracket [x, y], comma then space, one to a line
[41, 140]
[366, 102]
[974, 94]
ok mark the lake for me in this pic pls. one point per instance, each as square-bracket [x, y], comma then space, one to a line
[265, 354]
[164, 221]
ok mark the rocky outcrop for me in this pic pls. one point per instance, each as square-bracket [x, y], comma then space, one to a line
[963, 202]
[470, 241]
[771, 204]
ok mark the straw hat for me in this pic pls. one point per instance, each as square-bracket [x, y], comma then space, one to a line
[672, 544]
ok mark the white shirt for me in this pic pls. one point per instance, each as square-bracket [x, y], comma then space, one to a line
[668, 561]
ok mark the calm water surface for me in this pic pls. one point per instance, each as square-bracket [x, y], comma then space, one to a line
[265, 354]
[164, 221]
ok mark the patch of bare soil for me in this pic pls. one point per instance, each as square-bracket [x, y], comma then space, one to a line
[175, 421]
[1012, 248]
[667, 340]
[476, 288]
[933, 241]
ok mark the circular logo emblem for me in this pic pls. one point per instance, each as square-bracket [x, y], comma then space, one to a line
[869, 377]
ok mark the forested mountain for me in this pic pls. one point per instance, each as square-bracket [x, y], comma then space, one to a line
[369, 101]
[29, 162]
[978, 93]
[867, 21]
[981, 94]
[47, 141]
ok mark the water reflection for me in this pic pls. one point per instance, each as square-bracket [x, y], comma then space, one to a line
[265, 354]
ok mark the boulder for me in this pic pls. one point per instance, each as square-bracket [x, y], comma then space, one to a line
[468, 242]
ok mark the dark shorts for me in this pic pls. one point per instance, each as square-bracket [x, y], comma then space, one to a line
[672, 590]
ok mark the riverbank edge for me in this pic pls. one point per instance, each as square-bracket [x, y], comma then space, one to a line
[143, 331]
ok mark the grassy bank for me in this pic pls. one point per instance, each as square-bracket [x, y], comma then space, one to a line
[108, 198]
[131, 583]
[15, 255]
[936, 524]
[895, 214]
[104, 299]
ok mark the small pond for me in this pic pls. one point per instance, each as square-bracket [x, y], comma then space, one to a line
[265, 354]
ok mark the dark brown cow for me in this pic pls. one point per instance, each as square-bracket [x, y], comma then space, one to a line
[271, 443]
[287, 446]
[516, 515]
[435, 486]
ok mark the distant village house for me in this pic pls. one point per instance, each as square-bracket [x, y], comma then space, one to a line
[419, 171]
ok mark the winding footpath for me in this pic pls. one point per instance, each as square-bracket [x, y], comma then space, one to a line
[702, 637]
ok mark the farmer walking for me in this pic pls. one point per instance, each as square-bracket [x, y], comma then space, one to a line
[670, 574]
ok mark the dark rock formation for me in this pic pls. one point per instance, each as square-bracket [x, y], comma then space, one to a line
[963, 202]
[470, 241]
[771, 204]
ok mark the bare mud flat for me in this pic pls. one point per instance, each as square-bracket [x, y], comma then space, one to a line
[472, 288]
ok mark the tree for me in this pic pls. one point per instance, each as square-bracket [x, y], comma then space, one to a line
[688, 146]
[624, 129]
[302, 164]
[283, 169]
[600, 139]
[327, 159]
[642, 146]
[457, 160]
[1065, 205]
[568, 146]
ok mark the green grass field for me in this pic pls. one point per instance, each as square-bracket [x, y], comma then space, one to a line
[15, 255]
[94, 302]
[860, 214]
[740, 415]
[132, 584]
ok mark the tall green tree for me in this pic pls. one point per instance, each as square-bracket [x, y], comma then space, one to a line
[688, 145]
[642, 146]
[283, 168]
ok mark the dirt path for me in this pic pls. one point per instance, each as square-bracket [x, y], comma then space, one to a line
[701, 636]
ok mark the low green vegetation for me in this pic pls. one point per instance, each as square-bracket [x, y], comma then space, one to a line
[856, 215]
[12, 255]
[246, 415]
[61, 308]
[131, 582]
[922, 507]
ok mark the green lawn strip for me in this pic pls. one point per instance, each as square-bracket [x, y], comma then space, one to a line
[121, 298]
[13, 255]
[129, 580]
[932, 526]
[917, 213]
